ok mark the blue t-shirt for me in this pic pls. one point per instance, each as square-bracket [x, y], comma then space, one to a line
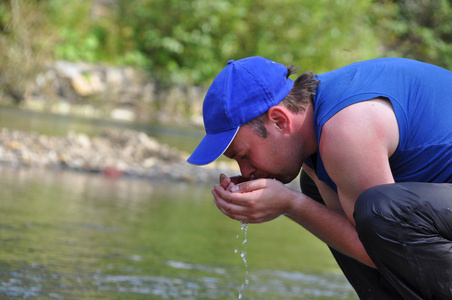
[421, 95]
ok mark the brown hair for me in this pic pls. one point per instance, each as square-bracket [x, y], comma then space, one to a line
[297, 100]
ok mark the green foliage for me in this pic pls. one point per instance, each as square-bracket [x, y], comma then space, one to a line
[24, 46]
[80, 37]
[189, 41]
[418, 29]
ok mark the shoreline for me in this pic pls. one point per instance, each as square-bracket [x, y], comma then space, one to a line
[114, 153]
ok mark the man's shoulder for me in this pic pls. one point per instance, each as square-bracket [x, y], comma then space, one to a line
[371, 121]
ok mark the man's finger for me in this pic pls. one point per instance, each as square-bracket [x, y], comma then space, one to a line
[224, 180]
[249, 186]
[227, 206]
[223, 194]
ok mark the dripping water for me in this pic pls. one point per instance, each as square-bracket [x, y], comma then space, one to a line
[244, 228]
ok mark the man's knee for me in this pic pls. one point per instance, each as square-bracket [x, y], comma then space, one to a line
[399, 210]
[383, 206]
[372, 212]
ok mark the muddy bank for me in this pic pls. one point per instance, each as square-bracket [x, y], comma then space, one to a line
[115, 153]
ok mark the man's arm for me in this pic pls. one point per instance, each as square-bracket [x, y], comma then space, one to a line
[355, 146]
[262, 200]
[329, 196]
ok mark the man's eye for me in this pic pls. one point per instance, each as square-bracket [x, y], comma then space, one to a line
[244, 156]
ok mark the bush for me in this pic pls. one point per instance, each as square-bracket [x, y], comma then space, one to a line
[189, 41]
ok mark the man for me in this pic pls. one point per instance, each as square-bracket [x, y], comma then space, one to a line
[376, 139]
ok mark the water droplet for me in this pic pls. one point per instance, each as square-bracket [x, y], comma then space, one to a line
[244, 227]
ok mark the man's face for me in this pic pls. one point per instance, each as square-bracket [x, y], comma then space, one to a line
[276, 156]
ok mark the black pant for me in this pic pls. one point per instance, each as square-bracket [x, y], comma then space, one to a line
[406, 229]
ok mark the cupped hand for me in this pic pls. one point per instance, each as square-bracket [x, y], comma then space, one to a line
[255, 201]
[227, 182]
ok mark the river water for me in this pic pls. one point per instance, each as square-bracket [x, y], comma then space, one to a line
[70, 235]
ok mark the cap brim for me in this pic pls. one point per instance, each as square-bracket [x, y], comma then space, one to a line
[212, 147]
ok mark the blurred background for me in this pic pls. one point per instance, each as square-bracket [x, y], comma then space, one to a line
[100, 104]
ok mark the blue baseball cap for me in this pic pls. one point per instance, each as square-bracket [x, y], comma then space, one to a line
[242, 91]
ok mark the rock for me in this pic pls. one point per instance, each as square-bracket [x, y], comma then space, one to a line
[86, 85]
[111, 92]
[122, 114]
[114, 154]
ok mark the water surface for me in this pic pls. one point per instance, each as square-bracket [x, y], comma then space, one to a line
[66, 235]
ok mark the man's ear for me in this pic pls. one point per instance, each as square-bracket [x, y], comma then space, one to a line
[280, 117]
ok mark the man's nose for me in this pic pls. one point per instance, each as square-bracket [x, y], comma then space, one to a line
[247, 170]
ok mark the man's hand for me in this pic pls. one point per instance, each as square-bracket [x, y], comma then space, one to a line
[226, 181]
[255, 201]
[262, 200]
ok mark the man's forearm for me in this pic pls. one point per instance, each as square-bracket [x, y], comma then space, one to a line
[328, 225]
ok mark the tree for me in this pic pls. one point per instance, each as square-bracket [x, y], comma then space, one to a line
[420, 30]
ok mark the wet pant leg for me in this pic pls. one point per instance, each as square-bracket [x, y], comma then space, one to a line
[406, 228]
[368, 282]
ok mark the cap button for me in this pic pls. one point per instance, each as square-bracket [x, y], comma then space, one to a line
[230, 62]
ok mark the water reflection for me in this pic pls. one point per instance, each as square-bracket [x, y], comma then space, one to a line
[67, 235]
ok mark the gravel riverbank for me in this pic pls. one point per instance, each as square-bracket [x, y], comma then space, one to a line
[115, 153]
